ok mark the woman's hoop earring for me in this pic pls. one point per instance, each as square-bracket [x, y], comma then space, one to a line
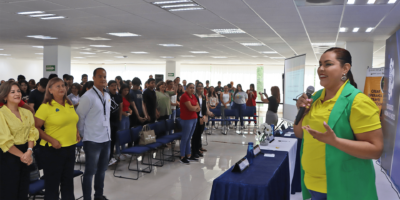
[344, 77]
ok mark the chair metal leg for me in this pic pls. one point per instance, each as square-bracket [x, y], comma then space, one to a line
[137, 168]
[160, 160]
[206, 140]
[169, 157]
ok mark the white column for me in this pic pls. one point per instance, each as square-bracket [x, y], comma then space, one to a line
[172, 70]
[56, 60]
[361, 53]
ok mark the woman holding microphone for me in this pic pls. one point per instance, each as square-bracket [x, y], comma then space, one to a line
[341, 133]
[18, 135]
[57, 114]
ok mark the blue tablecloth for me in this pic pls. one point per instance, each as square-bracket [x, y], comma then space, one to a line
[267, 178]
[296, 182]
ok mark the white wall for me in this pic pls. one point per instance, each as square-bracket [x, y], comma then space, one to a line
[11, 68]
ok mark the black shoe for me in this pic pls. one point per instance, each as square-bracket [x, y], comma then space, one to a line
[101, 198]
[196, 156]
[193, 159]
[200, 154]
[185, 161]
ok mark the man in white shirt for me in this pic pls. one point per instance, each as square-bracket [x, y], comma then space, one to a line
[94, 126]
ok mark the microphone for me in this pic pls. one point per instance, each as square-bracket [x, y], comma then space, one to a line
[309, 92]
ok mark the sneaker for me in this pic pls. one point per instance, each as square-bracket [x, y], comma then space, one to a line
[121, 157]
[112, 161]
[200, 154]
[101, 198]
[196, 156]
[193, 159]
[185, 161]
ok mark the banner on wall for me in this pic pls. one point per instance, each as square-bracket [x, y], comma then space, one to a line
[374, 85]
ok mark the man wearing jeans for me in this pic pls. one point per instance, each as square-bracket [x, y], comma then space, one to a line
[94, 126]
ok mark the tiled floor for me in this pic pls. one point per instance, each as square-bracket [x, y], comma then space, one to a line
[177, 181]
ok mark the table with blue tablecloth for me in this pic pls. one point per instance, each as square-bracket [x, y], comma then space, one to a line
[267, 178]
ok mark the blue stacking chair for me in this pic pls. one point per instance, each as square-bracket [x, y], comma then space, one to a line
[217, 113]
[125, 137]
[249, 112]
[156, 146]
[79, 147]
[36, 186]
[230, 113]
[170, 125]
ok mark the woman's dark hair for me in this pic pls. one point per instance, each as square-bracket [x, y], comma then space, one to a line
[237, 89]
[344, 57]
[276, 93]
[120, 80]
[159, 84]
[212, 94]
[77, 86]
[252, 85]
[180, 91]
[28, 90]
[88, 85]
[48, 98]
[5, 89]
[195, 91]
[33, 82]
[125, 86]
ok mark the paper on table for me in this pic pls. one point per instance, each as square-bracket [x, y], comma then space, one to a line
[244, 164]
[288, 134]
[269, 155]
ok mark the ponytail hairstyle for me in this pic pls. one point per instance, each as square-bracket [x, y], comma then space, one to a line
[344, 57]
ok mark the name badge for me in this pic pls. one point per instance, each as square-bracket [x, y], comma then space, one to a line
[105, 123]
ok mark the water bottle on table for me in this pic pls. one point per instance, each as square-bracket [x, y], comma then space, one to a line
[250, 153]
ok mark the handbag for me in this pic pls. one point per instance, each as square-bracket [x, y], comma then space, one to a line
[147, 136]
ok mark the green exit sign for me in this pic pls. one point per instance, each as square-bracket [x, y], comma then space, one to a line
[171, 74]
[50, 68]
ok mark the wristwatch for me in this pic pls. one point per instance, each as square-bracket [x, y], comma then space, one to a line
[30, 149]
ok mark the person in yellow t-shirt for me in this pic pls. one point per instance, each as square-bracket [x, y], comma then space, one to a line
[334, 73]
[17, 138]
[60, 135]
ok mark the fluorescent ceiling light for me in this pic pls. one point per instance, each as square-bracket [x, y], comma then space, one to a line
[277, 57]
[369, 29]
[170, 2]
[126, 34]
[188, 56]
[355, 30]
[371, 2]
[208, 35]
[80, 57]
[95, 38]
[88, 53]
[139, 52]
[42, 15]
[252, 44]
[30, 12]
[351, 1]
[219, 57]
[90, 56]
[1, 49]
[342, 29]
[100, 46]
[180, 5]
[41, 37]
[108, 60]
[57, 17]
[254, 56]
[184, 9]
[170, 45]
[391, 1]
[166, 56]
[39, 53]
[198, 52]
[268, 52]
[324, 44]
[119, 56]
[39, 47]
[5, 54]
[228, 31]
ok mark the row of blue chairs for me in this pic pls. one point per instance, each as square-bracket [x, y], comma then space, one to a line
[132, 135]
[248, 112]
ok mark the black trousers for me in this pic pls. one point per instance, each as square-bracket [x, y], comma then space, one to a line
[196, 138]
[165, 117]
[114, 129]
[58, 170]
[14, 176]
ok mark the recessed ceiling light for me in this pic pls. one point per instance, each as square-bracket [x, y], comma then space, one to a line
[139, 52]
[391, 1]
[41, 37]
[184, 9]
[5, 54]
[166, 56]
[252, 44]
[1, 49]
[91, 56]
[96, 38]
[342, 29]
[208, 35]
[30, 12]
[119, 56]
[170, 45]
[88, 53]
[80, 57]
[268, 52]
[277, 57]
[56, 17]
[324, 44]
[198, 51]
[371, 2]
[39, 47]
[254, 56]
[369, 29]
[170, 2]
[180, 5]
[100, 46]
[228, 31]
[355, 30]
[219, 57]
[188, 56]
[351, 1]
[39, 53]
[125, 34]
[42, 15]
